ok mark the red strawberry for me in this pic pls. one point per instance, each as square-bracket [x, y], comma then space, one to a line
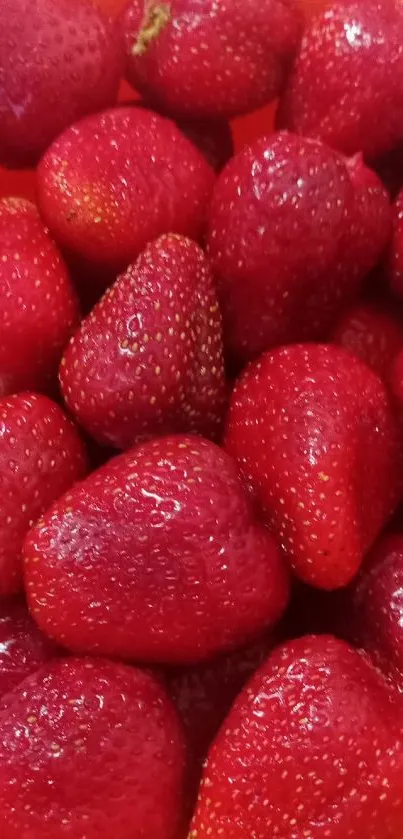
[59, 60]
[38, 306]
[395, 263]
[316, 437]
[118, 179]
[346, 87]
[41, 455]
[312, 748]
[23, 647]
[212, 59]
[156, 557]
[293, 229]
[89, 750]
[148, 359]
[373, 331]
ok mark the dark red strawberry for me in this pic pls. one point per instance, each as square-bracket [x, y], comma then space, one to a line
[156, 557]
[373, 331]
[395, 262]
[38, 306]
[316, 437]
[313, 748]
[293, 230]
[41, 455]
[59, 60]
[90, 749]
[214, 139]
[211, 59]
[346, 87]
[23, 647]
[119, 179]
[149, 359]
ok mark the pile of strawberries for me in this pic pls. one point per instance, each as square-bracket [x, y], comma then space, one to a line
[201, 422]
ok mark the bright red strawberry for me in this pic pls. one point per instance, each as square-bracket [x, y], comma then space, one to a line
[312, 748]
[373, 331]
[41, 455]
[149, 358]
[23, 647]
[317, 439]
[157, 556]
[212, 59]
[293, 230]
[395, 262]
[90, 749]
[119, 179]
[38, 306]
[346, 87]
[59, 60]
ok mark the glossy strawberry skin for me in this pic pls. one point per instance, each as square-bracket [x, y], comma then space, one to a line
[116, 180]
[165, 527]
[373, 331]
[148, 360]
[312, 747]
[317, 439]
[346, 85]
[59, 60]
[218, 60]
[41, 456]
[39, 308]
[281, 191]
[85, 747]
[23, 647]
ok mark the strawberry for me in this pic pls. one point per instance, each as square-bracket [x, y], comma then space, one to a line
[164, 529]
[23, 647]
[39, 309]
[293, 228]
[373, 331]
[395, 261]
[216, 60]
[116, 180]
[313, 748]
[85, 747]
[316, 437]
[148, 359]
[346, 87]
[41, 455]
[59, 60]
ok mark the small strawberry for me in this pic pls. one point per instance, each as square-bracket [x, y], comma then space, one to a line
[346, 87]
[373, 331]
[148, 359]
[293, 230]
[157, 556]
[41, 455]
[119, 179]
[89, 750]
[59, 60]
[313, 748]
[213, 59]
[23, 647]
[395, 261]
[316, 437]
[38, 306]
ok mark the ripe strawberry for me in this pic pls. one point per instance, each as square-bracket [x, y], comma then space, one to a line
[59, 60]
[38, 306]
[85, 748]
[216, 60]
[119, 179]
[316, 437]
[346, 87]
[148, 359]
[312, 748]
[41, 455]
[23, 647]
[373, 331]
[395, 262]
[293, 229]
[164, 529]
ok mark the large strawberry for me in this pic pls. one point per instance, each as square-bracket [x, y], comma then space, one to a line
[313, 748]
[156, 557]
[41, 455]
[23, 647]
[293, 229]
[38, 305]
[90, 749]
[316, 437]
[148, 359]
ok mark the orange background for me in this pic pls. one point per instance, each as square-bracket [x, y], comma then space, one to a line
[23, 183]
